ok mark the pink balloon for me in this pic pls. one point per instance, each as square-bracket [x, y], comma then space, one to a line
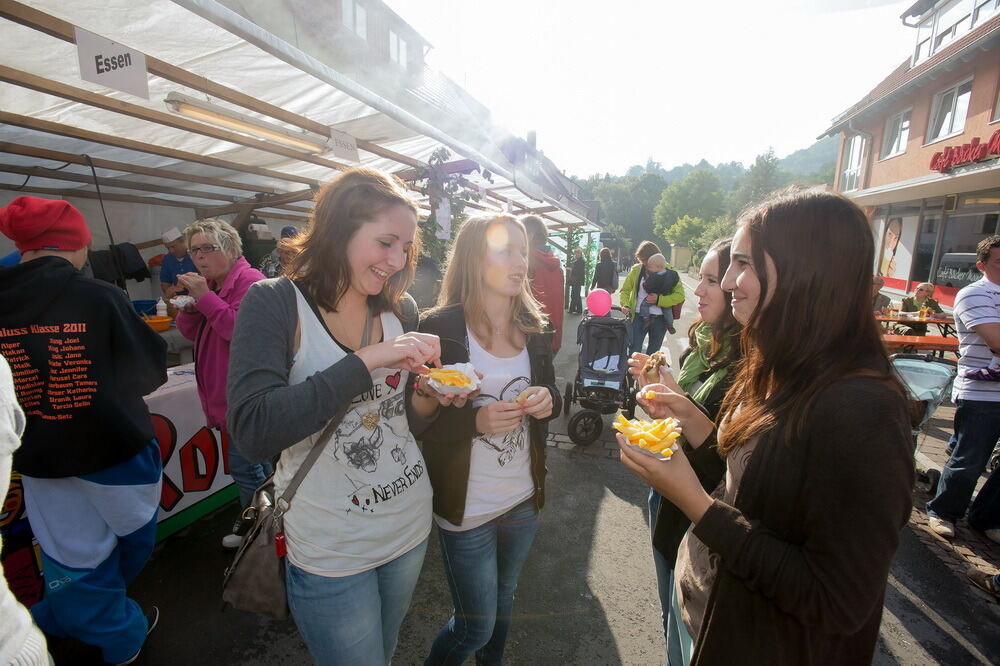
[599, 302]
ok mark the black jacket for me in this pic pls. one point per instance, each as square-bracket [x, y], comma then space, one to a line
[605, 276]
[82, 361]
[447, 441]
[577, 273]
[670, 524]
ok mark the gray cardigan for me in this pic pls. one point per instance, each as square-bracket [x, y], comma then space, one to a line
[267, 415]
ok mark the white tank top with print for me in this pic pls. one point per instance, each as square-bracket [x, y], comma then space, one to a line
[367, 500]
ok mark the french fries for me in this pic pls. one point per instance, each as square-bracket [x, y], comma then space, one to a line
[450, 377]
[659, 436]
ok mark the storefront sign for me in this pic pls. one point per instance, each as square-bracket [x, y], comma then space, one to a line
[110, 64]
[974, 151]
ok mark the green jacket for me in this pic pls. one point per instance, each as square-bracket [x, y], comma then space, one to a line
[630, 289]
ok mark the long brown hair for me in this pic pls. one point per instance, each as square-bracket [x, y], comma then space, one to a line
[725, 327]
[463, 280]
[817, 326]
[320, 265]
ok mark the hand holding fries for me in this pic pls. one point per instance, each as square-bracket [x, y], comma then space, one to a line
[659, 437]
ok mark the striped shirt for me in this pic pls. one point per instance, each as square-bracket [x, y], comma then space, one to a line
[976, 304]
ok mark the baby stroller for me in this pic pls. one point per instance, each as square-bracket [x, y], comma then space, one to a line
[928, 379]
[603, 384]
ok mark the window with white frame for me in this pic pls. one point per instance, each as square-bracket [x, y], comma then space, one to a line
[948, 111]
[949, 22]
[397, 49]
[851, 163]
[984, 10]
[355, 17]
[996, 108]
[897, 131]
[952, 21]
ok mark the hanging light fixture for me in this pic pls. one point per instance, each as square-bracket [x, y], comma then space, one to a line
[191, 107]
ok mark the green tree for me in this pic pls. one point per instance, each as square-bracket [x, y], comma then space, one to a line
[698, 195]
[629, 202]
[723, 226]
[762, 178]
[685, 230]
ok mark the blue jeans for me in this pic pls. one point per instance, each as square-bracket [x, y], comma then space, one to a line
[978, 430]
[656, 326]
[664, 587]
[247, 475]
[354, 620]
[483, 565]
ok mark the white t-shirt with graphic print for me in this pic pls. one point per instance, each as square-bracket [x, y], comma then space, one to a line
[367, 500]
[500, 470]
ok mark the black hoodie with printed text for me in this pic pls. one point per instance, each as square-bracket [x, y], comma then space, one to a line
[82, 361]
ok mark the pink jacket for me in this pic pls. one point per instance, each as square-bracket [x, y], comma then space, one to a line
[211, 329]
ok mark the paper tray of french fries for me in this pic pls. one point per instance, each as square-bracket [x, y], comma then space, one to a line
[457, 379]
[657, 438]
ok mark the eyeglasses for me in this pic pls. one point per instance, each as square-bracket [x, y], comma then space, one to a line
[203, 249]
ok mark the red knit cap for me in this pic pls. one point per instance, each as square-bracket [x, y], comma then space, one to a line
[43, 224]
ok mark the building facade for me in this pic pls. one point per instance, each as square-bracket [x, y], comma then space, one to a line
[921, 151]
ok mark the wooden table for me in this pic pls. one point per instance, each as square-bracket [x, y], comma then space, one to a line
[934, 343]
[945, 324]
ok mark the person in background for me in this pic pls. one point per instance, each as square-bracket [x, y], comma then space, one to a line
[175, 262]
[89, 464]
[977, 401]
[787, 561]
[486, 457]
[879, 300]
[357, 528]
[576, 280]
[605, 273]
[20, 640]
[426, 282]
[218, 288]
[921, 299]
[274, 262]
[546, 277]
[660, 281]
[632, 294]
[706, 372]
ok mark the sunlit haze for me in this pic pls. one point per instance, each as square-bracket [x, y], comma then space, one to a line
[610, 84]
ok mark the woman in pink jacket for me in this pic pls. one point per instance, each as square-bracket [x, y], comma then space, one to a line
[216, 249]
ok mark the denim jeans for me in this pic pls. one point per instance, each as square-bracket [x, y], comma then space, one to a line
[483, 565]
[656, 326]
[247, 475]
[664, 587]
[978, 430]
[354, 620]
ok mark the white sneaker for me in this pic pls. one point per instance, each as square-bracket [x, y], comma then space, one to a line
[231, 541]
[993, 534]
[941, 527]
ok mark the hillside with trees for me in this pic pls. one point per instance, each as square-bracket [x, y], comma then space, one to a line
[692, 205]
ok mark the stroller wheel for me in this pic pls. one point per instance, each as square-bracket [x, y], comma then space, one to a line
[585, 427]
[567, 398]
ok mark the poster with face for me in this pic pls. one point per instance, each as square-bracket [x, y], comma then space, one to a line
[890, 242]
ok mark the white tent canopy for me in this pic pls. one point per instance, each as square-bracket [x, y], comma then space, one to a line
[147, 155]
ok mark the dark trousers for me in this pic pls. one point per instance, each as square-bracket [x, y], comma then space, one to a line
[575, 302]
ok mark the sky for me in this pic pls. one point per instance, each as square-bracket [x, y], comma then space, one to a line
[606, 85]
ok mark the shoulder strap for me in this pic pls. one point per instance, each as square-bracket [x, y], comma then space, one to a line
[324, 437]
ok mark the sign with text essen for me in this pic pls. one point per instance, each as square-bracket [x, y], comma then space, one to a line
[111, 64]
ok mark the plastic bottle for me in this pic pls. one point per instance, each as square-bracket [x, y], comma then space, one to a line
[161, 308]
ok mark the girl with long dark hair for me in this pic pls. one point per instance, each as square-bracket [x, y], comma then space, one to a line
[786, 561]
